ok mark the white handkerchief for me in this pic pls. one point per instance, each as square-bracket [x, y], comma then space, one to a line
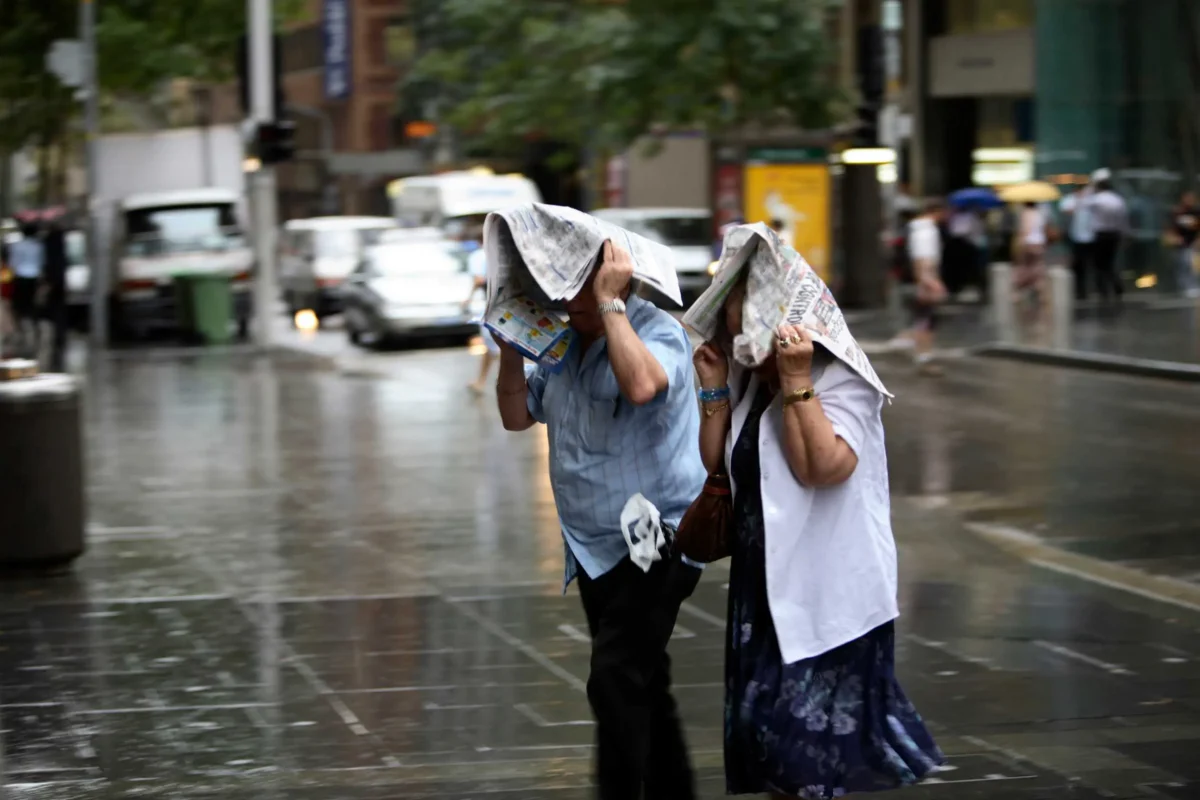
[642, 526]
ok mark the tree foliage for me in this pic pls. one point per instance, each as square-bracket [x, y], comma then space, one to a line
[604, 72]
[140, 44]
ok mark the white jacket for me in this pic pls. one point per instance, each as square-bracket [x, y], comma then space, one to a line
[830, 555]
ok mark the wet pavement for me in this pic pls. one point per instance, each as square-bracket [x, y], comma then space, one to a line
[303, 583]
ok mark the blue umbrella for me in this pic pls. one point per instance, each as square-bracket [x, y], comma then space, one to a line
[975, 197]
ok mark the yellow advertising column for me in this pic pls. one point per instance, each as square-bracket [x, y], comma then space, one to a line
[788, 188]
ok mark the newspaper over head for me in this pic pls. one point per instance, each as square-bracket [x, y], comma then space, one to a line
[557, 247]
[780, 287]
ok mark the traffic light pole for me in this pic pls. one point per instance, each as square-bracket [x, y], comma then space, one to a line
[264, 213]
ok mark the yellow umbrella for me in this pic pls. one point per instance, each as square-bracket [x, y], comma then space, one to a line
[1029, 192]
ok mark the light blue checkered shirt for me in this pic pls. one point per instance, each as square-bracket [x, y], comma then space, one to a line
[604, 449]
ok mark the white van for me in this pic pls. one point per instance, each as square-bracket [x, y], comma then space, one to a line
[687, 231]
[158, 236]
[447, 200]
[316, 255]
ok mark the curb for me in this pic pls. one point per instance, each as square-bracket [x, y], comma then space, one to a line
[1099, 362]
[1038, 553]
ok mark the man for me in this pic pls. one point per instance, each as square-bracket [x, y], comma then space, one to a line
[1110, 221]
[925, 254]
[1183, 231]
[28, 259]
[622, 418]
[1081, 236]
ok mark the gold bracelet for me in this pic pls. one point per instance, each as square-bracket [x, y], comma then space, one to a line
[710, 410]
[799, 396]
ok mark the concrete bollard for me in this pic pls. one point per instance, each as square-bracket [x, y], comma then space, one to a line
[1003, 310]
[1062, 306]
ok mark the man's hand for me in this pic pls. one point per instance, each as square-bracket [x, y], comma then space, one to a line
[616, 270]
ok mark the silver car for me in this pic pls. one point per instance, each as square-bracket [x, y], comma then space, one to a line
[410, 289]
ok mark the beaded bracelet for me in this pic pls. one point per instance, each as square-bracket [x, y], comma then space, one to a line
[712, 395]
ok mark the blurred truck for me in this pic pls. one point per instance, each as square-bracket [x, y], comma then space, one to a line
[170, 203]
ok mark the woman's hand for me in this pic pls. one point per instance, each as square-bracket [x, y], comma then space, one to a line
[711, 365]
[793, 352]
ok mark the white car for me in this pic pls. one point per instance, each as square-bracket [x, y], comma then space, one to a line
[409, 289]
[687, 231]
[316, 255]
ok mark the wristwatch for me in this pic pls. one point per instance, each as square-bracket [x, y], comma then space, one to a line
[616, 306]
[799, 396]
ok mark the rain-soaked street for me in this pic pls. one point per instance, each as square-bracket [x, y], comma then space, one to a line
[304, 584]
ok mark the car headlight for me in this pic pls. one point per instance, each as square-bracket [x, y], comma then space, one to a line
[712, 268]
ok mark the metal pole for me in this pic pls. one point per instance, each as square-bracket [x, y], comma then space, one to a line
[262, 181]
[97, 253]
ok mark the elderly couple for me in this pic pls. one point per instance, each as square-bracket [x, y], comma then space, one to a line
[812, 705]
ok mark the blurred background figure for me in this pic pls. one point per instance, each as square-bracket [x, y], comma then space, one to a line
[28, 257]
[1181, 234]
[477, 266]
[1080, 236]
[54, 290]
[925, 254]
[1110, 220]
[1029, 251]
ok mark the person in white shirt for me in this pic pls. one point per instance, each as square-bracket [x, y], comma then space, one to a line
[1081, 236]
[813, 707]
[1029, 246]
[1110, 221]
[925, 254]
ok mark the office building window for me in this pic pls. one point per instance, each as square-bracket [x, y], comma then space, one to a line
[988, 16]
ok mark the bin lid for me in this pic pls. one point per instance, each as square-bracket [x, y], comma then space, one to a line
[39, 388]
[17, 368]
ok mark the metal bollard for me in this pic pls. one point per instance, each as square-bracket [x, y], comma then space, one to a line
[1003, 311]
[41, 468]
[1062, 306]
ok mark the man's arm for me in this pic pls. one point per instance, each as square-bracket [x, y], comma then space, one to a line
[512, 391]
[640, 376]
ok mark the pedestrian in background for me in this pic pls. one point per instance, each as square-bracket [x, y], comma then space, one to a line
[925, 254]
[1029, 250]
[621, 418]
[812, 706]
[1110, 221]
[28, 258]
[1081, 237]
[477, 267]
[1182, 234]
[54, 281]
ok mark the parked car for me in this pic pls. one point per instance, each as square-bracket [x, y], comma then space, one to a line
[410, 289]
[687, 231]
[316, 255]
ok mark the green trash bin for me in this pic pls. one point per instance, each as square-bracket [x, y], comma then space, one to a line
[205, 307]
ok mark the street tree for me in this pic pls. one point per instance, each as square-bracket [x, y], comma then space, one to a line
[602, 73]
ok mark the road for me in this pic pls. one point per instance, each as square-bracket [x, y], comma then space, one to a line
[305, 582]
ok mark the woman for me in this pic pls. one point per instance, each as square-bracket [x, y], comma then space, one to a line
[812, 708]
[1031, 248]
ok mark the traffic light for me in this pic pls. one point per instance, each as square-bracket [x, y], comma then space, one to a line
[866, 133]
[276, 141]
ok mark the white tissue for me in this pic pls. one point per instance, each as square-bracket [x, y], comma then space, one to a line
[642, 526]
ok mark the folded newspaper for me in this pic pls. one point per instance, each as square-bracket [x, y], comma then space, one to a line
[780, 287]
[546, 253]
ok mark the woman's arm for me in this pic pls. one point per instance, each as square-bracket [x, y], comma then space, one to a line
[712, 366]
[816, 455]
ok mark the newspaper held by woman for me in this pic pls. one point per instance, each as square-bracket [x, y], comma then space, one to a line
[781, 287]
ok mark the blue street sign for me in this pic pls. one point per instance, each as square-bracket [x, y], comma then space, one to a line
[335, 23]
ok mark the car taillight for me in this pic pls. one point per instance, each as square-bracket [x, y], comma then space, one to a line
[133, 286]
[242, 276]
[329, 283]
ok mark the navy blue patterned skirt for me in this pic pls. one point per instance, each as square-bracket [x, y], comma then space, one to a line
[821, 727]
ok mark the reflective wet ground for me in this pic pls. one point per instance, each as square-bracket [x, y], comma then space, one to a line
[303, 584]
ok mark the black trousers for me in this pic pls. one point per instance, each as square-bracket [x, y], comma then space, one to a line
[1108, 282]
[1081, 264]
[639, 738]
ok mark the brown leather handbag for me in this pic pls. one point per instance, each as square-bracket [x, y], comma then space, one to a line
[705, 530]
